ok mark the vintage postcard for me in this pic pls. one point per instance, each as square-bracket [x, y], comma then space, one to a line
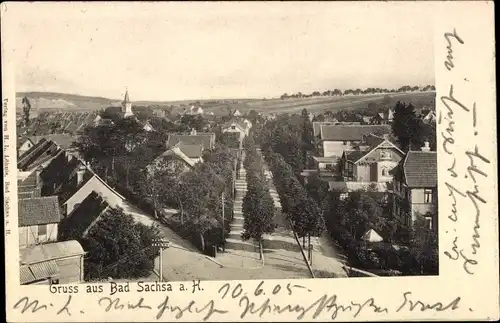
[249, 161]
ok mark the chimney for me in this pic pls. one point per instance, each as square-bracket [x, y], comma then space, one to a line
[79, 174]
[426, 147]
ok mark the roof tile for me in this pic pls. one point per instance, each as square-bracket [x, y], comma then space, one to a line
[420, 169]
[39, 210]
[350, 132]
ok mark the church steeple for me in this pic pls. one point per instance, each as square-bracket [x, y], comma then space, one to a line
[127, 105]
[127, 99]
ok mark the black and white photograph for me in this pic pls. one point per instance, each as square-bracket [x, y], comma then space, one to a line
[226, 145]
[249, 161]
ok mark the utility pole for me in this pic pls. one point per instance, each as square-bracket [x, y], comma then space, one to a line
[162, 243]
[223, 226]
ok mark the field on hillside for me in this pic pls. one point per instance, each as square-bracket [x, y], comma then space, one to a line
[338, 103]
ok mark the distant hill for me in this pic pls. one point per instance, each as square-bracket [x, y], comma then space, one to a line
[60, 101]
[75, 102]
[78, 103]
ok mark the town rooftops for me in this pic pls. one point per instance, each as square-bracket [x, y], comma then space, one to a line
[62, 140]
[350, 132]
[38, 210]
[420, 169]
[40, 153]
[50, 251]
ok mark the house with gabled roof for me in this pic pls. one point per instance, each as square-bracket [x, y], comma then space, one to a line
[430, 117]
[334, 139]
[148, 127]
[179, 158]
[371, 160]
[415, 188]
[236, 126]
[72, 181]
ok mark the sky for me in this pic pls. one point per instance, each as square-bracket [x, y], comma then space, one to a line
[174, 51]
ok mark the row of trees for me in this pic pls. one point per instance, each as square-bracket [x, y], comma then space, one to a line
[258, 205]
[371, 90]
[301, 210]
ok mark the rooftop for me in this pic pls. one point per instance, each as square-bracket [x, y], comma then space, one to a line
[420, 169]
[83, 216]
[205, 139]
[192, 151]
[50, 251]
[39, 153]
[350, 132]
[38, 210]
[62, 140]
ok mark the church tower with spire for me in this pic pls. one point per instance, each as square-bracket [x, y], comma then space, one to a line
[127, 106]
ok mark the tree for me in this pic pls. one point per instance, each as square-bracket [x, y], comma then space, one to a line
[424, 247]
[119, 247]
[258, 205]
[26, 110]
[189, 122]
[229, 139]
[406, 126]
[359, 213]
[317, 188]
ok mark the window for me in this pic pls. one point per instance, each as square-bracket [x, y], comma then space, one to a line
[42, 230]
[428, 222]
[233, 127]
[427, 196]
[384, 154]
[385, 172]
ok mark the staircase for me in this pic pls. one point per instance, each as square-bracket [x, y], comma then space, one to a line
[234, 240]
